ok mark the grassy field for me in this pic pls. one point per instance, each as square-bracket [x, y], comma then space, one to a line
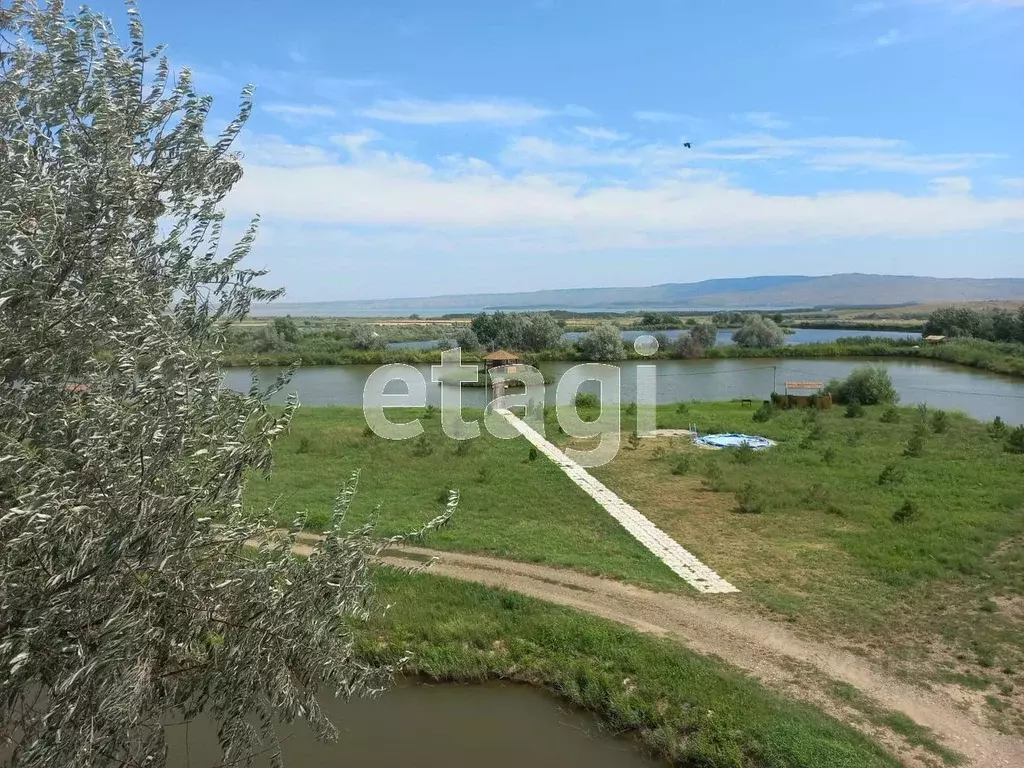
[682, 706]
[510, 506]
[916, 560]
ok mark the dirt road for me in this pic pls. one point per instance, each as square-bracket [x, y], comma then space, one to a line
[770, 652]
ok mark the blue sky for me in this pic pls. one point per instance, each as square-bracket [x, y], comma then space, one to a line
[405, 148]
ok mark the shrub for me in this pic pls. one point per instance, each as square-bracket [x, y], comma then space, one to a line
[463, 447]
[855, 437]
[759, 332]
[854, 410]
[634, 440]
[682, 465]
[1016, 442]
[429, 412]
[867, 384]
[817, 432]
[907, 512]
[629, 409]
[422, 445]
[892, 474]
[915, 446]
[484, 474]
[682, 408]
[998, 429]
[743, 454]
[368, 431]
[659, 453]
[829, 455]
[304, 445]
[765, 413]
[749, 500]
[940, 422]
[586, 400]
[816, 496]
[890, 416]
[714, 477]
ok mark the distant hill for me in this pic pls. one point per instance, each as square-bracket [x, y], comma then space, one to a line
[765, 292]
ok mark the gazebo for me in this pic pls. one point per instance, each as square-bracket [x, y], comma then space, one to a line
[499, 358]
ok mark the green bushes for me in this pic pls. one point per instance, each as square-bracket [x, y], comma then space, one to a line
[586, 400]
[940, 422]
[866, 384]
[998, 429]
[1016, 442]
[750, 501]
[907, 512]
[765, 413]
[892, 474]
[682, 465]
[891, 415]
[854, 410]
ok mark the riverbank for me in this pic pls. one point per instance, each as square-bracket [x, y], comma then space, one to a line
[1003, 358]
[682, 707]
[837, 530]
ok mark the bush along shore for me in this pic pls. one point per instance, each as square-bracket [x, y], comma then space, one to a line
[998, 357]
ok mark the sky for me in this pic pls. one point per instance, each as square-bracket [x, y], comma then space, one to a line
[404, 148]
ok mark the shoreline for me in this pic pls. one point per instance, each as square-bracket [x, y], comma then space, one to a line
[1003, 359]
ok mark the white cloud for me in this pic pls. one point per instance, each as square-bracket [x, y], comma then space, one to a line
[298, 57]
[654, 116]
[423, 112]
[764, 120]
[850, 153]
[300, 111]
[891, 37]
[897, 162]
[275, 151]
[353, 143]
[951, 185]
[380, 193]
[866, 9]
[601, 134]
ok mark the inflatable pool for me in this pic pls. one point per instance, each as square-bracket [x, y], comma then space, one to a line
[734, 440]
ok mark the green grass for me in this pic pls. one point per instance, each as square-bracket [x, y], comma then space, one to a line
[833, 548]
[825, 549]
[914, 734]
[510, 506]
[690, 709]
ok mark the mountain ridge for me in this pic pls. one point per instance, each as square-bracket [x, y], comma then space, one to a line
[760, 292]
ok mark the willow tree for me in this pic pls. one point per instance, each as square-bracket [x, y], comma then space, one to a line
[130, 590]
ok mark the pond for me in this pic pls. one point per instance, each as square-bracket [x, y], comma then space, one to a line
[442, 726]
[724, 338]
[978, 393]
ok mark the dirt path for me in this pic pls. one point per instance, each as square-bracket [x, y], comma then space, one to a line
[770, 652]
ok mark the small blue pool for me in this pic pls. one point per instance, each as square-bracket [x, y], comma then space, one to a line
[735, 440]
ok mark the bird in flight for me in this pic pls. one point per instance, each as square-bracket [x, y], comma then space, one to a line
[688, 145]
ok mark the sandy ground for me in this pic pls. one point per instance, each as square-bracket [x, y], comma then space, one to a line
[770, 652]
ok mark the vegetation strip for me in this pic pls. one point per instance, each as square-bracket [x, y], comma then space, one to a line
[665, 548]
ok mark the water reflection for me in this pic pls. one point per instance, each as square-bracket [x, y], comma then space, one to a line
[980, 394]
[442, 726]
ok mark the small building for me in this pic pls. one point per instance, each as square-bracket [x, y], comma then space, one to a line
[500, 358]
[934, 339]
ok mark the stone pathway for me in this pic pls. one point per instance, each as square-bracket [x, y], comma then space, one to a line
[663, 546]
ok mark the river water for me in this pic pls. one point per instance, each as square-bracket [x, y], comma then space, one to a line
[436, 726]
[978, 393]
[724, 338]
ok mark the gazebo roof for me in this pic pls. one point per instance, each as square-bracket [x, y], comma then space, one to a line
[500, 354]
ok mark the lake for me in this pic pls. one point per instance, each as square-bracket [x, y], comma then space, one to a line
[978, 393]
[724, 337]
[436, 726]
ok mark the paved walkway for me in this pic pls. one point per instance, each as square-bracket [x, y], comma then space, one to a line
[663, 546]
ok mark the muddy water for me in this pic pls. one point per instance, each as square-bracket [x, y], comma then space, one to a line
[978, 393]
[438, 726]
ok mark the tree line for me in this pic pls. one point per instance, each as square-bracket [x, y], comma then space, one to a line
[990, 325]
